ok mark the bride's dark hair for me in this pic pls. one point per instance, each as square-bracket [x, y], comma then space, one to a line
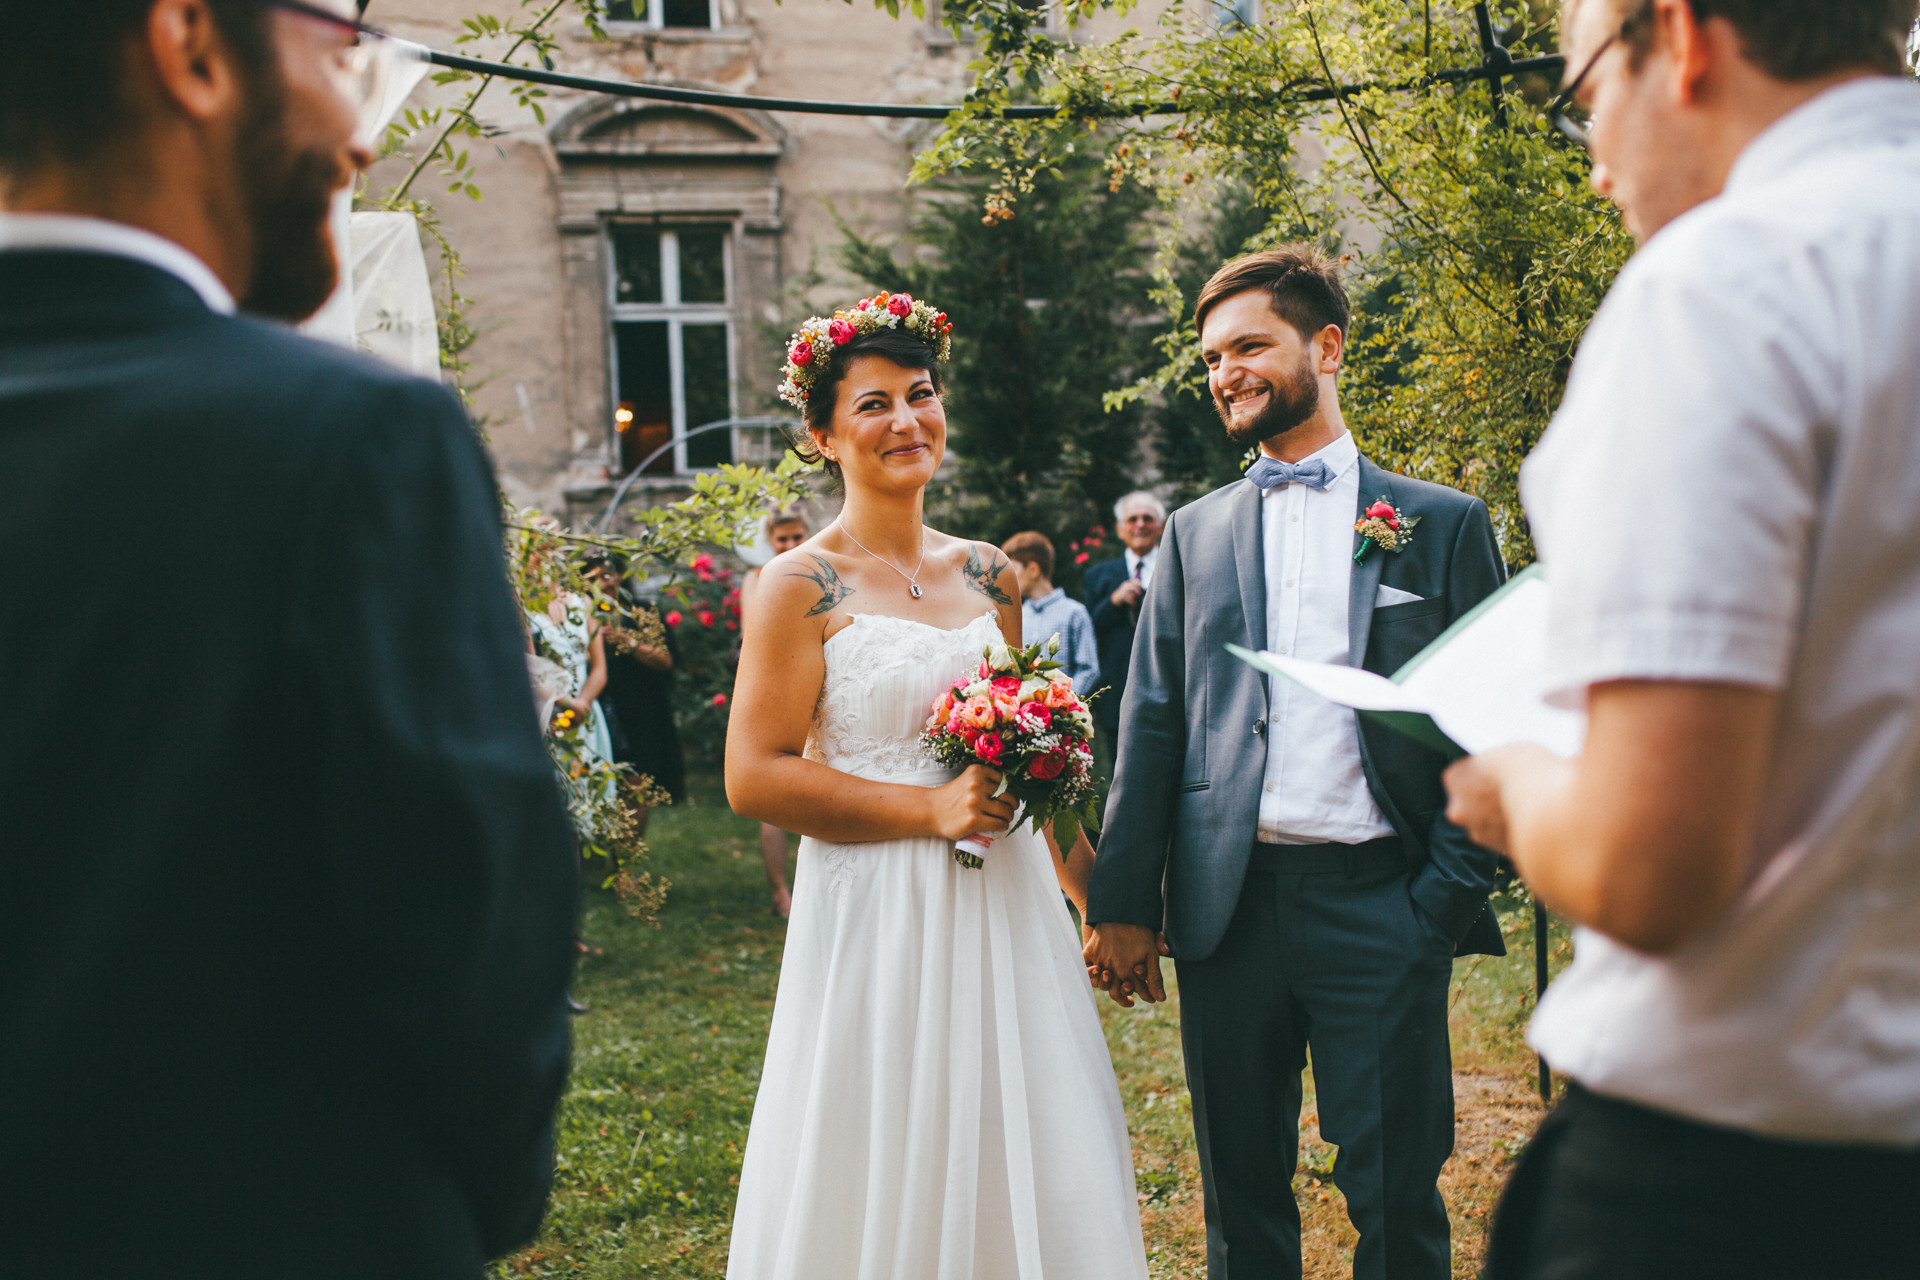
[897, 345]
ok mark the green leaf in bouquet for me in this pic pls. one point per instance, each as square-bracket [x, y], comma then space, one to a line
[1088, 814]
[1066, 829]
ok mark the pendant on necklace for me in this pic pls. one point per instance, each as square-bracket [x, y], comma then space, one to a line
[914, 587]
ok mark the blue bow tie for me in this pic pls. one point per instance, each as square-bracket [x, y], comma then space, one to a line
[1266, 473]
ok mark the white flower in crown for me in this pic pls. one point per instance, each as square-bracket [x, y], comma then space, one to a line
[816, 343]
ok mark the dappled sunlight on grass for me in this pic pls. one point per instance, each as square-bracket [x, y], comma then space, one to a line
[667, 1064]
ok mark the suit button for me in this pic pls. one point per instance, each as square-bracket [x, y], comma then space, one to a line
[1259, 728]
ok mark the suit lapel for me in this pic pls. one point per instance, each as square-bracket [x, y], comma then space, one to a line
[1365, 583]
[1249, 562]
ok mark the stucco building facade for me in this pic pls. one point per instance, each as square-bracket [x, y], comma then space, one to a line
[634, 266]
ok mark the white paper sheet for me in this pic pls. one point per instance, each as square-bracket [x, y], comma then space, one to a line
[1480, 682]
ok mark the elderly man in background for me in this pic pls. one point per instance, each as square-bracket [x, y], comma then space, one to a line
[1740, 836]
[1114, 590]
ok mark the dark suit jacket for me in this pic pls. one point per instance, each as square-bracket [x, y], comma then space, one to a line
[1184, 810]
[1113, 628]
[289, 893]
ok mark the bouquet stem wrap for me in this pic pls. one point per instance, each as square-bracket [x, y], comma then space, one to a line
[972, 852]
[1017, 712]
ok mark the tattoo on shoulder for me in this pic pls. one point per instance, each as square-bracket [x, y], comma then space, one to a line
[984, 578]
[832, 589]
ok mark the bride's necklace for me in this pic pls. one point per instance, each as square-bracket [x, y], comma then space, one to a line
[913, 579]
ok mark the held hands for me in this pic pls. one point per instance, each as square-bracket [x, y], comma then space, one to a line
[1123, 960]
[1128, 593]
[967, 806]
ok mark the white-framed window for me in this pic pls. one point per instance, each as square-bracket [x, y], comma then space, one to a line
[697, 14]
[670, 288]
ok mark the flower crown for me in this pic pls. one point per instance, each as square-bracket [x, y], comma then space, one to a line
[815, 344]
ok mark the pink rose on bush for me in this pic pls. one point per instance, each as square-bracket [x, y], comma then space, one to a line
[840, 331]
[719, 699]
[900, 304]
[989, 748]
[706, 617]
[673, 618]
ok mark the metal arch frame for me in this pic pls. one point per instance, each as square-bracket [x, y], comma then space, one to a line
[620, 494]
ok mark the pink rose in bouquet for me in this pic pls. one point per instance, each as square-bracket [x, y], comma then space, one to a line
[1017, 712]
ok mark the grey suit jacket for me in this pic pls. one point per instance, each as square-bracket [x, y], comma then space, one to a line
[1183, 814]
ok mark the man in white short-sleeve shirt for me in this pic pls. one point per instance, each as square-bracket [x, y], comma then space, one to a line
[1728, 509]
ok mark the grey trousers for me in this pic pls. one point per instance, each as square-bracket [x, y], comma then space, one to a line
[1346, 965]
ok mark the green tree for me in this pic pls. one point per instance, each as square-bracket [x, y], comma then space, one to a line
[1050, 311]
[1477, 248]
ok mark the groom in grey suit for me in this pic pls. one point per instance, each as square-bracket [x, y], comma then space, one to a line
[1298, 861]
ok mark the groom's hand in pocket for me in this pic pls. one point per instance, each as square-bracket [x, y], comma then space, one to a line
[1124, 961]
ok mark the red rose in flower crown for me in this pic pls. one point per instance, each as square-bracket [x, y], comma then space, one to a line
[1018, 712]
[814, 347]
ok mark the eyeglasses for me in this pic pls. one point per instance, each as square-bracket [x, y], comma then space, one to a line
[374, 72]
[1568, 114]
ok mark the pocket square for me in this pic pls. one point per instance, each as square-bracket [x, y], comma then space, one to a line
[1393, 595]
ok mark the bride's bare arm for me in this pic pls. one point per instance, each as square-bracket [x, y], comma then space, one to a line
[782, 665]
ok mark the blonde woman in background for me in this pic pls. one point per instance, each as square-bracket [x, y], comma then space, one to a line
[785, 528]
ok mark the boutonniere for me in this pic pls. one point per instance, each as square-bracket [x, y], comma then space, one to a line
[1383, 526]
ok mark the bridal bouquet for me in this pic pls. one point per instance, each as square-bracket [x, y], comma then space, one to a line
[1018, 713]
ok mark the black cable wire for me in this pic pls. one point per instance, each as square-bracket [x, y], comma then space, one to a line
[1493, 70]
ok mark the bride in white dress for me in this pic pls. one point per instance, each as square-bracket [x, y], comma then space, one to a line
[937, 1101]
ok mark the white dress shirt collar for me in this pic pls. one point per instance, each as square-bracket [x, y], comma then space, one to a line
[1870, 109]
[1141, 567]
[98, 235]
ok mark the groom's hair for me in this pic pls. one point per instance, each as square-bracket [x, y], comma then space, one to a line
[1302, 286]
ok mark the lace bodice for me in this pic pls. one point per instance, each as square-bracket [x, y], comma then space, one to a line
[883, 674]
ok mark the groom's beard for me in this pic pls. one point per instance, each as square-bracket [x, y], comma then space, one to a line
[1290, 402]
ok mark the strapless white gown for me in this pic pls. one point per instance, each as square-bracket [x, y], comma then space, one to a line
[937, 1102]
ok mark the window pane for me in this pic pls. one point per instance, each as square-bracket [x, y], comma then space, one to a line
[703, 264]
[636, 265]
[626, 10]
[709, 399]
[686, 13]
[645, 415]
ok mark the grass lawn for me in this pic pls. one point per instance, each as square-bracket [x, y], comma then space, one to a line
[667, 1063]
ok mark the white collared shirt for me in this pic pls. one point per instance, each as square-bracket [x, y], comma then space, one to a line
[1315, 790]
[98, 235]
[1141, 567]
[1731, 493]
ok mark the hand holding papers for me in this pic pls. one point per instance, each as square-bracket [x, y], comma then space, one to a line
[1476, 687]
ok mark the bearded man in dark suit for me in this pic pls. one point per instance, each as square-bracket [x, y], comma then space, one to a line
[289, 889]
[1310, 888]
